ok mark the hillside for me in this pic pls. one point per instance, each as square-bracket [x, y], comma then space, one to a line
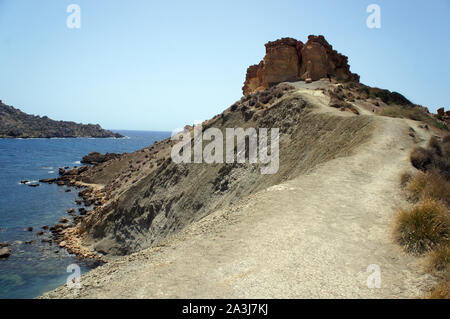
[310, 231]
[225, 230]
[16, 124]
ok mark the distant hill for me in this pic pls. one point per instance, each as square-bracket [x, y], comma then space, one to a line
[16, 124]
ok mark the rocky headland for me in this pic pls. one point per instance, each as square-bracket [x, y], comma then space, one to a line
[16, 124]
[166, 228]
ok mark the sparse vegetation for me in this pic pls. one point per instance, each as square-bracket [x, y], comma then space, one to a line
[386, 96]
[436, 157]
[413, 112]
[439, 259]
[423, 227]
[16, 124]
[426, 226]
[430, 185]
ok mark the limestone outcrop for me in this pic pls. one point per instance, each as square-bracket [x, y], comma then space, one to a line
[288, 60]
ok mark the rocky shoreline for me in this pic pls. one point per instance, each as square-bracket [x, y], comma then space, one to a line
[65, 233]
[16, 124]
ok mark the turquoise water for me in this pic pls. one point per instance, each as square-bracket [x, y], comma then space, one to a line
[38, 267]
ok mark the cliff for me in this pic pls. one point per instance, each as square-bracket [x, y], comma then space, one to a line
[290, 60]
[16, 124]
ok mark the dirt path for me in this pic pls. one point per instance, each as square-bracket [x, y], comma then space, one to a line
[311, 237]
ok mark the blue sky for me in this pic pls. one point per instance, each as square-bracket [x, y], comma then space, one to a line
[158, 65]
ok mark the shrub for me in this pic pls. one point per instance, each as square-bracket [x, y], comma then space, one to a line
[435, 157]
[386, 96]
[431, 185]
[423, 227]
[421, 158]
[435, 146]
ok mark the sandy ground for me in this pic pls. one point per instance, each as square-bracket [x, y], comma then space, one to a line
[311, 237]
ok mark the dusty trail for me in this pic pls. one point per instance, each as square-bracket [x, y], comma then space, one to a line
[311, 237]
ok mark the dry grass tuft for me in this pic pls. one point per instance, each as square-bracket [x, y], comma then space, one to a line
[423, 227]
[439, 259]
[431, 185]
[439, 263]
[426, 226]
[441, 291]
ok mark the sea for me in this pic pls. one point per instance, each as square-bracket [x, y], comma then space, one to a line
[35, 266]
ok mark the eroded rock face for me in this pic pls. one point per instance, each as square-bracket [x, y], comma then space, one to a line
[289, 60]
[282, 61]
[315, 62]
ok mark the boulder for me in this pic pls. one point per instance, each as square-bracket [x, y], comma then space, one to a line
[48, 180]
[5, 252]
[33, 184]
[5, 244]
[443, 116]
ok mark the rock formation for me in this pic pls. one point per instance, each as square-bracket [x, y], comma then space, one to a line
[289, 60]
[5, 252]
[444, 116]
[96, 158]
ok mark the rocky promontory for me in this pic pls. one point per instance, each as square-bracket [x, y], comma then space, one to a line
[16, 124]
[288, 59]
